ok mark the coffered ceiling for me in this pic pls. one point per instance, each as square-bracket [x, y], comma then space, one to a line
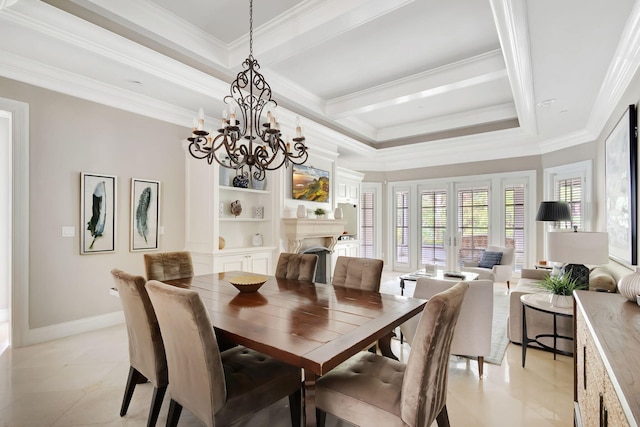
[393, 83]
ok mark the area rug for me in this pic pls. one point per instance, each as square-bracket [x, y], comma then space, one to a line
[499, 339]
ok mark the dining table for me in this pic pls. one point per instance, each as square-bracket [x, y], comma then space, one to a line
[313, 326]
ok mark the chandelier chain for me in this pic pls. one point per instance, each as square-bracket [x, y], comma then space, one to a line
[251, 28]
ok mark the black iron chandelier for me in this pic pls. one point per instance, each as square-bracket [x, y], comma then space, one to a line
[252, 141]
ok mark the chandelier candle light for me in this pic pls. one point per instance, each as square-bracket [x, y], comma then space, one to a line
[249, 142]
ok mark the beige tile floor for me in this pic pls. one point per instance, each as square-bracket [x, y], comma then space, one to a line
[79, 381]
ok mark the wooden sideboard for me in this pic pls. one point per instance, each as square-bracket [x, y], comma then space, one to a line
[607, 360]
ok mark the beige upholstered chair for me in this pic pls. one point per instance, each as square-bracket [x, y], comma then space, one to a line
[146, 351]
[168, 265]
[371, 390]
[501, 272]
[297, 267]
[472, 336]
[358, 273]
[219, 389]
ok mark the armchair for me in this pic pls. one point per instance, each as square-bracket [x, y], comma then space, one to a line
[500, 272]
[472, 334]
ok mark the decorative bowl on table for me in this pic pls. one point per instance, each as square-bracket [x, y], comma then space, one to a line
[248, 283]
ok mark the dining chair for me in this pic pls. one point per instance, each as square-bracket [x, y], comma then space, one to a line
[359, 273]
[218, 388]
[472, 335]
[364, 274]
[146, 351]
[300, 267]
[369, 389]
[168, 265]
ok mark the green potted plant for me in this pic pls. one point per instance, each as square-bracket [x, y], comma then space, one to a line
[561, 289]
[320, 213]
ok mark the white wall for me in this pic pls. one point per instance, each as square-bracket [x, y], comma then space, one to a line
[5, 214]
[69, 136]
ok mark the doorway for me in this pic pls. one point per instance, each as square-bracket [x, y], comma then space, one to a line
[5, 227]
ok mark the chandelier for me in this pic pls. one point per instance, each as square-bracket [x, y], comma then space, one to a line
[254, 141]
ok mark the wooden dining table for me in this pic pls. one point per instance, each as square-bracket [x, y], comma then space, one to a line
[310, 325]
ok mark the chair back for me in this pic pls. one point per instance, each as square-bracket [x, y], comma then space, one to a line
[168, 265]
[192, 350]
[424, 388]
[472, 335]
[146, 349]
[507, 254]
[297, 267]
[358, 273]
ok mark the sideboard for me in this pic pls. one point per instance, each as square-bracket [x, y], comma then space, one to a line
[606, 361]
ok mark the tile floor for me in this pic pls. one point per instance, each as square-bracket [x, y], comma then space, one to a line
[79, 381]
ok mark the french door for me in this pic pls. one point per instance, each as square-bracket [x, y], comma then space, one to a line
[454, 223]
[447, 223]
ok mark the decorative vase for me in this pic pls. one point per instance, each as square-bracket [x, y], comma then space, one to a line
[258, 212]
[301, 212]
[258, 185]
[256, 240]
[561, 301]
[225, 173]
[337, 214]
[221, 242]
[629, 285]
[241, 181]
[236, 208]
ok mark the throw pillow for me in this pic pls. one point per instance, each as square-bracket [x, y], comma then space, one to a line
[601, 280]
[489, 259]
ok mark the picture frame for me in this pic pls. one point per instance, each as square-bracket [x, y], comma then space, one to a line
[145, 215]
[98, 203]
[310, 183]
[621, 153]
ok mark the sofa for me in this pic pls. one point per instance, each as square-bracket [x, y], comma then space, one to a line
[600, 280]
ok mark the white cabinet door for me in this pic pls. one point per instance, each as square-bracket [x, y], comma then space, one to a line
[257, 262]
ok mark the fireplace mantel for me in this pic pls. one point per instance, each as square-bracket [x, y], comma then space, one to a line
[298, 229]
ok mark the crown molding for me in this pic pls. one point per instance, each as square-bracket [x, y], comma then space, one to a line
[513, 31]
[622, 69]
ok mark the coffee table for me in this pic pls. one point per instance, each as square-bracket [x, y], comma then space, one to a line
[457, 276]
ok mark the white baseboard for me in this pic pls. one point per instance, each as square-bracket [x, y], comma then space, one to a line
[61, 330]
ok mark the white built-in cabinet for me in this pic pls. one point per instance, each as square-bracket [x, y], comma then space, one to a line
[209, 218]
[348, 184]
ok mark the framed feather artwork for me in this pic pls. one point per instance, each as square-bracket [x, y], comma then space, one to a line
[97, 213]
[145, 214]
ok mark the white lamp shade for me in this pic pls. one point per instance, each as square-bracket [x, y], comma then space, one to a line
[581, 247]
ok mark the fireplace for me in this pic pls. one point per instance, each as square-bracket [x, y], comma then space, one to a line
[317, 236]
[323, 270]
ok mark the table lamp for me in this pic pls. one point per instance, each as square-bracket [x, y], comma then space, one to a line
[576, 248]
[553, 211]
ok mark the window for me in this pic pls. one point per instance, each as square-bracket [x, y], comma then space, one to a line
[402, 226]
[473, 222]
[433, 219]
[570, 190]
[367, 224]
[514, 226]
[572, 183]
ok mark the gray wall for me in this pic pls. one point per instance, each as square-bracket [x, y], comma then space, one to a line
[68, 136]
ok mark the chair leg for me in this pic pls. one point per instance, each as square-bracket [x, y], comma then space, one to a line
[174, 413]
[134, 378]
[480, 366]
[321, 417]
[295, 408]
[156, 403]
[443, 417]
[508, 285]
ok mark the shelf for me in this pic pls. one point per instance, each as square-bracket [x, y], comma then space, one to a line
[244, 250]
[230, 219]
[245, 190]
